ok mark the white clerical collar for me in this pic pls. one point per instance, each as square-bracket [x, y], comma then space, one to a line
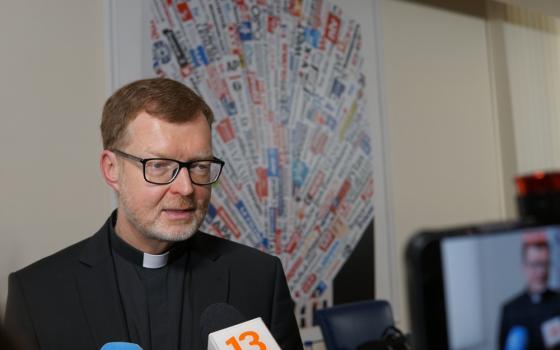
[536, 298]
[139, 258]
[155, 261]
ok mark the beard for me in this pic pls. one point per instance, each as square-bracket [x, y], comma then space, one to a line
[158, 228]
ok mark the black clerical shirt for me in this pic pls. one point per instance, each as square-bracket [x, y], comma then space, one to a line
[152, 298]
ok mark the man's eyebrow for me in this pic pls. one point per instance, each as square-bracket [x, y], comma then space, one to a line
[200, 156]
[155, 154]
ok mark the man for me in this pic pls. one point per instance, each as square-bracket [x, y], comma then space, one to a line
[148, 274]
[6, 341]
[528, 317]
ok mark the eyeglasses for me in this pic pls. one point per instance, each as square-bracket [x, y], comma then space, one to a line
[537, 265]
[162, 171]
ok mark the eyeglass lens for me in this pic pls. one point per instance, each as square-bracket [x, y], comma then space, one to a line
[163, 171]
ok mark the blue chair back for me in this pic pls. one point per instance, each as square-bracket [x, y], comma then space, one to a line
[347, 326]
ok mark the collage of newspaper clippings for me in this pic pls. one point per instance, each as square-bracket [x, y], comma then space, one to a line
[284, 79]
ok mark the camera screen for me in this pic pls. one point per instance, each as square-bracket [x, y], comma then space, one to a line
[502, 291]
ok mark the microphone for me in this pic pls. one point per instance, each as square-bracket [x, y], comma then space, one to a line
[222, 328]
[218, 316]
[121, 346]
[517, 338]
[550, 330]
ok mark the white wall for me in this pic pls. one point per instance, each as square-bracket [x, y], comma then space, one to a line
[53, 87]
[532, 47]
[443, 149]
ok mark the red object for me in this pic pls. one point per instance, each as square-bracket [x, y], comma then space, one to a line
[332, 28]
[184, 11]
[538, 183]
[222, 214]
[225, 130]
[309, 282]
[534, 237]
[261, 185]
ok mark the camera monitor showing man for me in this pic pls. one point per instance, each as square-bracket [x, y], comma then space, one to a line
[532, 317]
[485, 287]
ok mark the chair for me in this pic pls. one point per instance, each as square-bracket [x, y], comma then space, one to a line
[348, 326]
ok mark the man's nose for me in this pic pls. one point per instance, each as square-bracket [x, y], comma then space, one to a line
[182, 183]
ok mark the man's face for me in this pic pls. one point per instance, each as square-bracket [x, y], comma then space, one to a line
[536, 267]
[171, 212]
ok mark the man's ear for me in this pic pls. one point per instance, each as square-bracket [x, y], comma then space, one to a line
[110, 169]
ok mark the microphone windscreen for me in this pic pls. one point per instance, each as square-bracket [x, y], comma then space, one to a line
[550, 331]
[121, 346]
[218, 316]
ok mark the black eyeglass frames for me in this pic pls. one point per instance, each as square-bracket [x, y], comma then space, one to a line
[163, 171]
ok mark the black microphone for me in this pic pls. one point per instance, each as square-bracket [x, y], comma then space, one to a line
[216, 317]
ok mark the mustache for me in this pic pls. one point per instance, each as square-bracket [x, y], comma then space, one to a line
[181, 204]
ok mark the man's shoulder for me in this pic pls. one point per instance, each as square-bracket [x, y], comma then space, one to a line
[62, 260]
[521, 298]
[551, 294]
[58, 261]
[225, 248]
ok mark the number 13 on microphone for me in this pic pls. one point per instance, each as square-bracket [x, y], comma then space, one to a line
[250, 335]
[254, 340]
